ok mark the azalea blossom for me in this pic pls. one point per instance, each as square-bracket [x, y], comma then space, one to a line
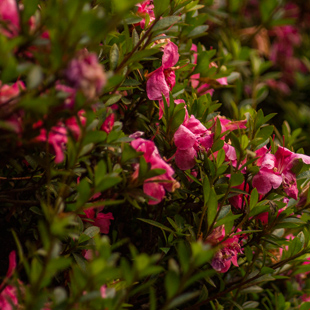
[101, 220]
[108, 123]
[146, 8]
[57, 138]
[189, 138]
[276, 170]
[8, 296]
[230, 248]
[162, 80]
[9, 15]
[229, 125]
[152, 186]
[73, 125]
[85, 73]
[7, 102]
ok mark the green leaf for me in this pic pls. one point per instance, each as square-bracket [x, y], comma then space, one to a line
[128, 153]
[198, 31]
[107, 182]
[266, 8]
[171, 283]
[100, 172]
[212, 207]
[138, 56]
[203, 62]
[156, 224]
[236, 179]
[92, 231]
[160, 6]
[29, 8]
[182, 299]
[34, 77]
[254, 198]
[206, 189]
[227, 219]
[220, 157]
[83, 190]
[114, 56]
[166, 22]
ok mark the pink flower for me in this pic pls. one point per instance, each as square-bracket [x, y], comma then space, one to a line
[162, 80]
[101, 220]
[9, 15]
[276, 170]
[194, 79]
[57, 138]
[108, 124]
[7, 95]
[189, 138]
[146, 8]
[73, 126]
[153, 186]
[8, 294]
[8, 297]
[85, 73]
[8, 92]
[229, 125]
[228, 254]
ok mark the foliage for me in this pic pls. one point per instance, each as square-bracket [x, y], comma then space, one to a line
[123, 185]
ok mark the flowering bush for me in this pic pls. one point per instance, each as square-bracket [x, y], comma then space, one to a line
[125, 183]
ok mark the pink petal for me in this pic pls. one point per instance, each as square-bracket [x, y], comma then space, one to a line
[170, 56]
[12, 264]
[184, 138]
[195, 126]
[156, 85]
[103, 222]
[185, 159]
[268, 161]
[265, 180]
[155, 190]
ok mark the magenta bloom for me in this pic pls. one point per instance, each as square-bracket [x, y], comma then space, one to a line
[73, 125]
[8, 297]
[162, 80]
[152, 186]
[101, 220]
[108, 124]
[228, 254]
[146, 8]
[227, 124]
[9, 293]
[276, 170]
[57, 138]
[9, 92]
[189, 138]
[85, 73]
[9, 15]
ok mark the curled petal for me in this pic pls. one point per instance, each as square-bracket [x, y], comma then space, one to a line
[171, 55]
[268, 161]
[184, 138]
[195, 126]
[155, 190]
[185, 159]
[265, 180]
[156, 85]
